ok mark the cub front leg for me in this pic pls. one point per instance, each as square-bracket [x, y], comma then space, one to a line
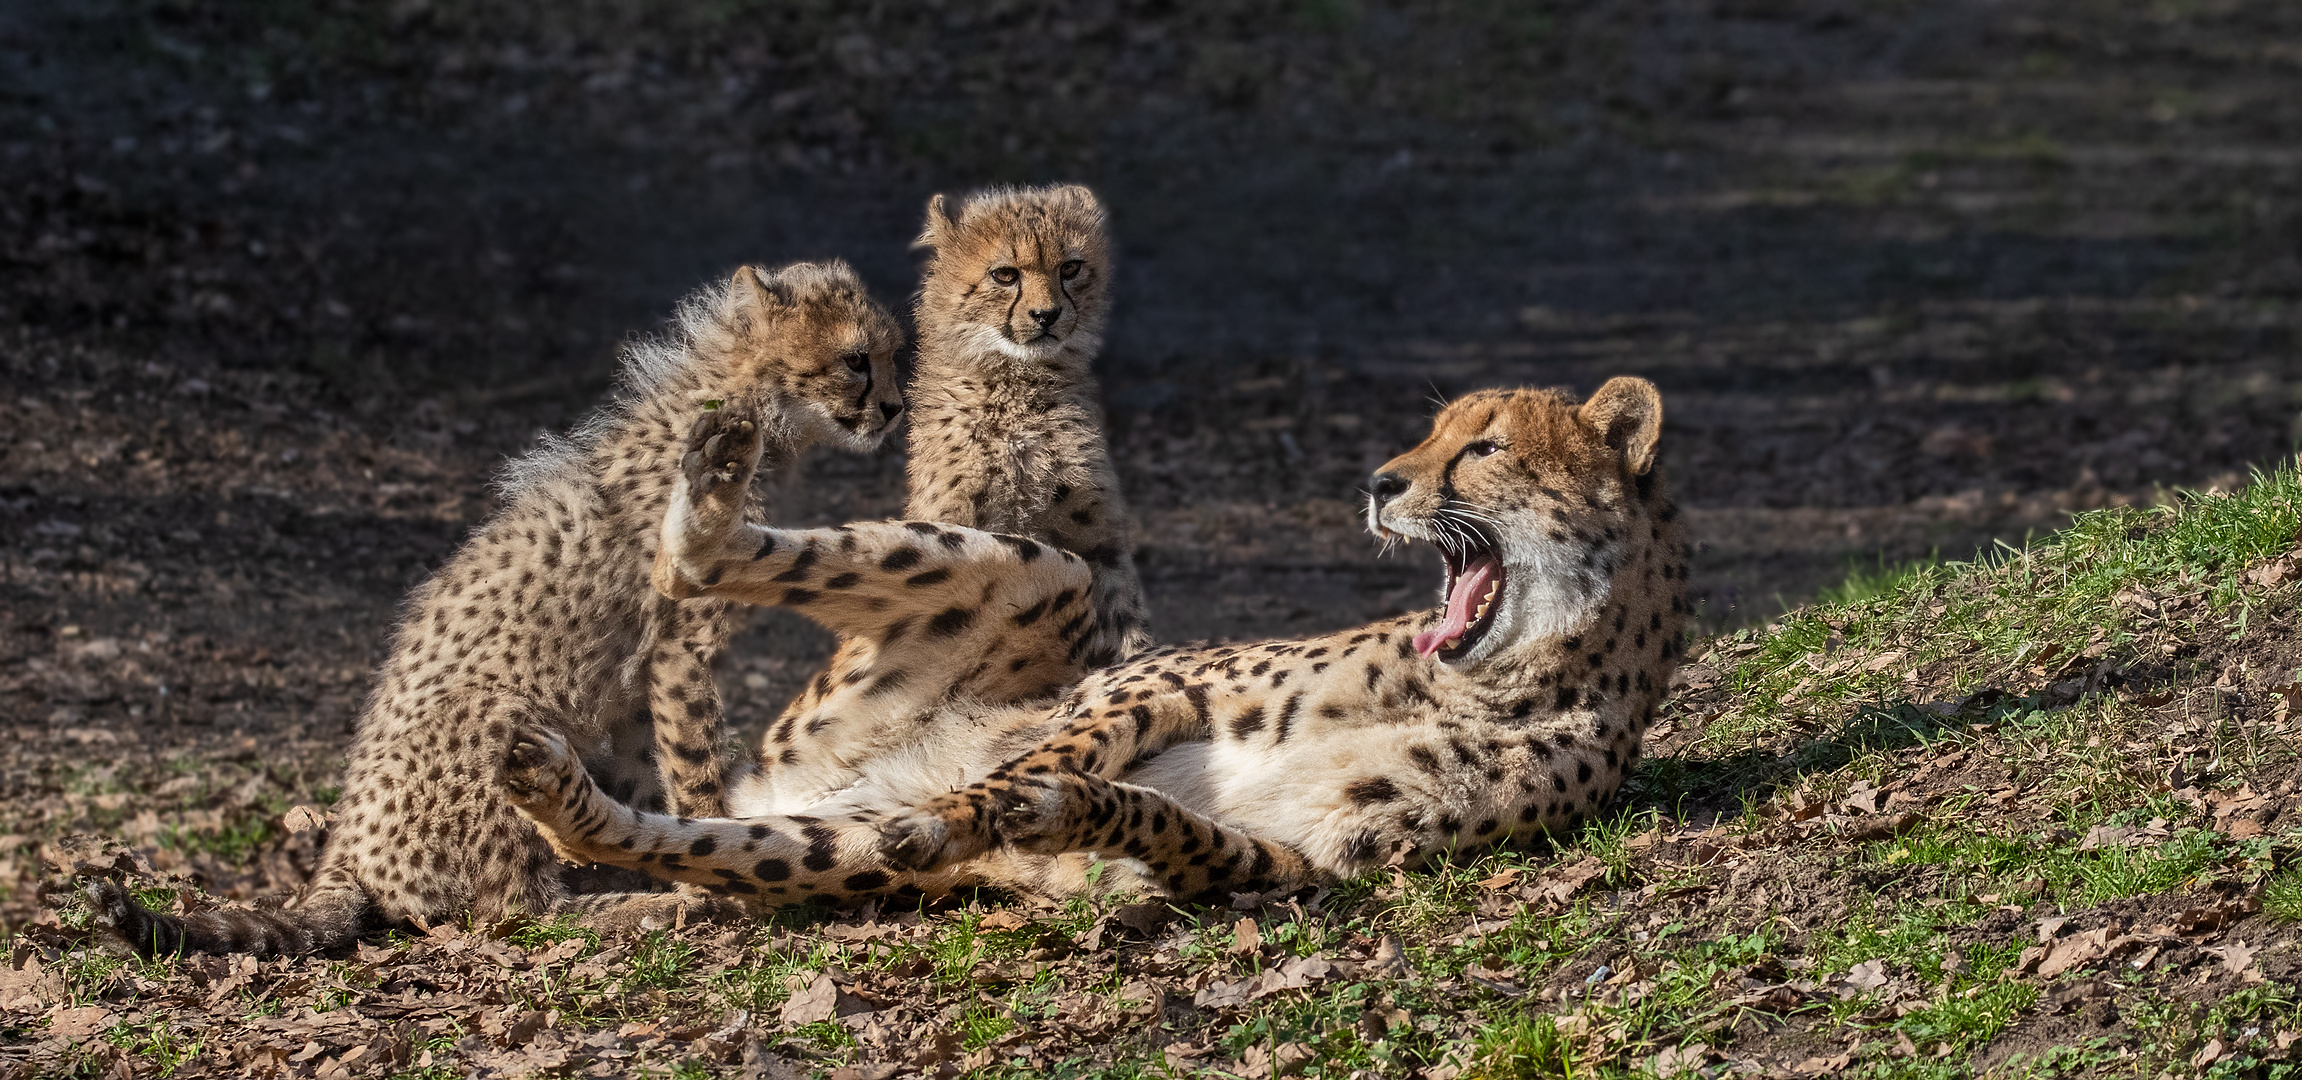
[706, 515]
[683, 702]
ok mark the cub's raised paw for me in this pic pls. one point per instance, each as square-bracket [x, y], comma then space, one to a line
[722, 448]
[538, 769]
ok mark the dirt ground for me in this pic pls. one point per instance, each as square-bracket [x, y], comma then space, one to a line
[280, 285]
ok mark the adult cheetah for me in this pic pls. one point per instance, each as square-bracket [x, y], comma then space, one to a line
[1006, 436]
[1518, 705]
[546, 620]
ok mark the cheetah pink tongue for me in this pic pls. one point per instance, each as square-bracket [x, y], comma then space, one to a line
[1470, 588]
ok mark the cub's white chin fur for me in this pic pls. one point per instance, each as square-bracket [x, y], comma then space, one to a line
[1080, 342]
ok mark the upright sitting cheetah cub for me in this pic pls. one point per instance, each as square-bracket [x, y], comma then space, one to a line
[546, 620]
[1006, 436]
[1518, 705]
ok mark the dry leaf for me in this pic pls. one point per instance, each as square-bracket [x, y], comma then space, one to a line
[1503, 880]
[1868, 975]
[1561, 883]
[1676, 1060]
[1823, 1066]
[821, 1000]
[80, 1023]
[1246, 938]
[2236, 956]
[1390, 959]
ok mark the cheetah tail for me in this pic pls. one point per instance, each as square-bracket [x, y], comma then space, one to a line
[322, 921]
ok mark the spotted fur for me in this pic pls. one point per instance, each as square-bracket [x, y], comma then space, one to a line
[545, 620]
[1210, 770]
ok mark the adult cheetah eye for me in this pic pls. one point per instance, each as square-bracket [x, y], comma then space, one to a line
[857, 360]
[1483, 448]
[1006, 275]
[1070, 269]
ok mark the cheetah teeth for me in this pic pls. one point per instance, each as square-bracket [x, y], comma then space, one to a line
[1453, 641]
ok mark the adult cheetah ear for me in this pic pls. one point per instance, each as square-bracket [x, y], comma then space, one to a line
[1628, 413]
[940, 225]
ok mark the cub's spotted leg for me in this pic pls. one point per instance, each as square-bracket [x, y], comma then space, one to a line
[1189, 855]
[683, 701]
[1119, 719]
[767, 860]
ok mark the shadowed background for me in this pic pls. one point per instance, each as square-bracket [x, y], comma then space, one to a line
[281, 283]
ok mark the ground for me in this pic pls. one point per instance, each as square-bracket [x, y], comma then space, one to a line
[279, 286]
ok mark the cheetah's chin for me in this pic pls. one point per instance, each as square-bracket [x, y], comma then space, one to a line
[1476, 580]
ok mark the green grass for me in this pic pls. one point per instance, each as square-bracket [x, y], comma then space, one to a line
[2283, 899]
[1986, 622]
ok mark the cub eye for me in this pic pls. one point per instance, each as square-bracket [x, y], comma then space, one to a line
[857, 360]
[1483, 448]
[1006, 275]
[1070, 269]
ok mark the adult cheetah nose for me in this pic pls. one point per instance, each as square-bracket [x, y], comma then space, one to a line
[1046, 316]
[1388, 486]
[888, 409]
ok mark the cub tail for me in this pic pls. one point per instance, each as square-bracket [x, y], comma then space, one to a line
[321, 921]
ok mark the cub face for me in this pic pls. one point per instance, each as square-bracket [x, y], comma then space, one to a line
[811, 331]
[1529, 498]
[1023, 272]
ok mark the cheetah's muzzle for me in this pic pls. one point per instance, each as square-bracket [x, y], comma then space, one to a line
[1474, 590]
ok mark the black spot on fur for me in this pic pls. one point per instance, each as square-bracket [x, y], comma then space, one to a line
[950, 621]
[1370, 791]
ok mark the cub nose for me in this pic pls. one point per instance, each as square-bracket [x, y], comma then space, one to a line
[888, 409]
[1388, 486]
[1046, 317]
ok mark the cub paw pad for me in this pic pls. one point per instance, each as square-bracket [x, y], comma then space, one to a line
[913, 842]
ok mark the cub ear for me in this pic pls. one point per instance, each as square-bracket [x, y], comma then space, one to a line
[1078, 195]
[761, 291]
[1628, 412]
[940, 225]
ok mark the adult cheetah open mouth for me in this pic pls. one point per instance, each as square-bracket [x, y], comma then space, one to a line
[1475, 583]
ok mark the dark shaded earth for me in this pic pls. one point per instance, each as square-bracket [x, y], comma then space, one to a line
[279, 288]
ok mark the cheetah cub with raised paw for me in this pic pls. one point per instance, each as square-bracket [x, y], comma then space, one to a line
[546, 619]
[1006, 436]
[1517, 706]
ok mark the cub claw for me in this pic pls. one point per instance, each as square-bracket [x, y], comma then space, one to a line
[529, 764]
[722, 446]
[912, 842]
